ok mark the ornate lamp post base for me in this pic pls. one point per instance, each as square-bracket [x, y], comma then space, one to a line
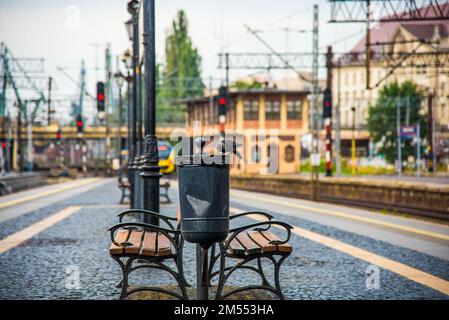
[151, 175]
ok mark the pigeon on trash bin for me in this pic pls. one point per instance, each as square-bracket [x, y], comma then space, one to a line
[229, 146]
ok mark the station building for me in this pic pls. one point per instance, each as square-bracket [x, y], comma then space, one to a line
[349, 84]
[251, 110]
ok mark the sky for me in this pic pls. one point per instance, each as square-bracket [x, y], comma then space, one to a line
[65, 31]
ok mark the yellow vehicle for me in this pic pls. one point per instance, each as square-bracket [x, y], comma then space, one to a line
[166, 157]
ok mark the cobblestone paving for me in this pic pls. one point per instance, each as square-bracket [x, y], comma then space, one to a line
[45, 266]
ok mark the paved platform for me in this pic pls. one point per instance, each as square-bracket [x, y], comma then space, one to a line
[60, 250]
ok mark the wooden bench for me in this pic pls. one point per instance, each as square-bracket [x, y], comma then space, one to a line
[252, 243]
[151, 246]
[125, 186]
[165, 184]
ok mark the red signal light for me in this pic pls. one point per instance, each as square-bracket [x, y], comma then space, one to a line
[100, 97]
[222, 101]
[79, 124]
[58, 136]
[328, 104]
[4, 145]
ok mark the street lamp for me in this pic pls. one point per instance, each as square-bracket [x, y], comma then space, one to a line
[136, 121]
[120, 78]
[133, 6]
[129, 28]
[150, 167]
[126, 59]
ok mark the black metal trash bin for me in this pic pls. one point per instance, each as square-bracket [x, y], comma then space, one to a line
[204, 199]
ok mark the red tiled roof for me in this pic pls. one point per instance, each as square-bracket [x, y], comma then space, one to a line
[426, 32]
[385, 31]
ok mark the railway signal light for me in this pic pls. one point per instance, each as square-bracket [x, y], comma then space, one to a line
[222, 103]
[222, 107]
[100, 97]
[79, 124]
[327, 104]
[327, 116]
[59, 136]
[222, 100]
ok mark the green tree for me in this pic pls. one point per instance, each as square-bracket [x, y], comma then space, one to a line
[382, 118]
[180, 77]
[241, 85]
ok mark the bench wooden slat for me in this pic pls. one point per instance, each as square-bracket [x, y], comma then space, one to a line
[149, 244]
[120, 237]
[163, 245]
[236, 248]
[135, 240]
[263, 242]
[250, 246]
[281, 247]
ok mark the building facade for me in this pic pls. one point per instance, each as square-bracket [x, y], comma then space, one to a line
[269, 122]
[394, 38]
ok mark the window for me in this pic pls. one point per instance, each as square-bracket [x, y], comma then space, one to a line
[255, 156]
[251, 110]
[294, 110]
[421, 69]
[289, 154]
[272, 110]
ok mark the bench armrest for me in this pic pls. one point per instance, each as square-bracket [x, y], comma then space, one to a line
[164, 218]
[259, 227]
[264, 214]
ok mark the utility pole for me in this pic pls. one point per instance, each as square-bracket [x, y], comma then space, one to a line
[327, 112]
[315, 92]
[418, 150]
[50, 79]
[368, 45]
[30, 144]
[108, 106]
[338, 123]
[19, 137]
[150, 168]
[431, 128]
[399, 142]
[353, 145]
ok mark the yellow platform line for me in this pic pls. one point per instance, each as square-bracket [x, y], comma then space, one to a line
[29, 232]
[347, 216]
[406, 271]
[47, 193]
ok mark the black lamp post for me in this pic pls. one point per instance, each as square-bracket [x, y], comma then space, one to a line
[150, 167]
[131, 125]
[120, 79]
[133, 9]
